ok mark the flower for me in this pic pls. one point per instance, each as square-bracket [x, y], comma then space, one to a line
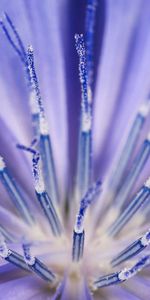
[60, 237]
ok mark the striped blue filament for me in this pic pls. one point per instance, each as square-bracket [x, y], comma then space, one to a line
[37, 266]
[119, 277]
[135, 204]
[16, 196]
[78, 245]
[132, 250]
[42, 196]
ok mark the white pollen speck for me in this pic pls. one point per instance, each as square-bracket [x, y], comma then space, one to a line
[30, 48]
[30, 261]
[2, 164]
[145, 241]
[40, 187]
[43, 126]
[124, 274]
[89, 95]
[4, 251]
[33, 103]
[86, 122]
[147, 183]
[144, 109]
[148, 137]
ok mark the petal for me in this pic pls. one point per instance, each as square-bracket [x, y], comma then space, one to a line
[23, 288]
[123, 74]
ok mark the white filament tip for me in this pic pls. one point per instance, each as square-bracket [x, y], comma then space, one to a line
[4, 251]
[43, 126]
[148, 137]
[40, 187]
[2, 164]
[86, 122]
[89, 95]
[147, 183]
[124, 274]
[144, 109]
[30, 48]
[33, 103]
[145, 240]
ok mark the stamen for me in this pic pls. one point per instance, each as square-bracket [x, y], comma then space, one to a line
[85, 202]
[138, 164]
[78, 233]
[15, 193]
[49, 210]
[12, 256]
[132, 250]
[40, 120]
[78, 245]
[141, 197]
[123, 275]
[37, 266]
[89, 28]
[42, 196]
[84, 148]
[129, 146]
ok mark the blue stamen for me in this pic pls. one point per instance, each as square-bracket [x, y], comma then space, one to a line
[42, 196]
[42, 130]
[12, 256]
[85, 202]
[129, 146]
[119, 277]
[50, 212]
[15, 193]
[138, 164]
[137, 201]
[132, 250]
[89, 28]
[78, 233]
[85, 138]
[78, 245]
[37, 266]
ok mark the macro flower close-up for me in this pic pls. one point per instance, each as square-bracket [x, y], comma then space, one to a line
[74, 150]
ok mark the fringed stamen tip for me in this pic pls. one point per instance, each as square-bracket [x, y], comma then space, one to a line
[147, 183]
[2, 164]
[79, 44]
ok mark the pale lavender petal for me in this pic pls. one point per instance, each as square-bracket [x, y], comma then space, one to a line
[124, 74]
